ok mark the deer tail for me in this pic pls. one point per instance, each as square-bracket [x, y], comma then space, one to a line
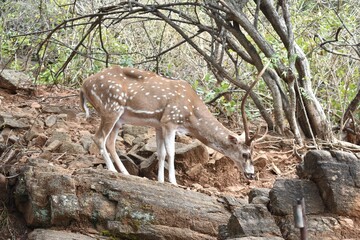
[83, 104]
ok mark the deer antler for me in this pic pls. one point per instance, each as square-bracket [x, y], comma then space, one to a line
[248, 140]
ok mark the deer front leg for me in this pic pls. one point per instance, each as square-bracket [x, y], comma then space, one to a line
[110, 145]
[169, 137]
[161, 153]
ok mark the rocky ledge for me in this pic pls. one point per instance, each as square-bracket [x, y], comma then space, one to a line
[130, 207]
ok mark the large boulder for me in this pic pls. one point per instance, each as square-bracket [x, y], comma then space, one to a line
[11, 80]
[285, 192]
[126, 206]
[252, 220]
[337, 175]
[46, 234]
[318, 227]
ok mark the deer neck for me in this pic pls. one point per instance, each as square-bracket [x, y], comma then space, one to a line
[206, 128]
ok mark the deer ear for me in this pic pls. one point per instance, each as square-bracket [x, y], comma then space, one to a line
[233, 139]
[242, 137]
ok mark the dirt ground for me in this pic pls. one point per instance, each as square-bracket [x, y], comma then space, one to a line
[273, 157]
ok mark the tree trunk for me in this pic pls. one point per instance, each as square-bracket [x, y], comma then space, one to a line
[313, 112]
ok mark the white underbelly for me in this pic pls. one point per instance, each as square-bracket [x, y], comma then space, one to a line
[151, 121]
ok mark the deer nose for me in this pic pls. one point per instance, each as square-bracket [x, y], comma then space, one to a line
[246, 156]
[249, 175]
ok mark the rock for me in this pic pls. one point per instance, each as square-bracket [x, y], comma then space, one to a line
[93, 149]
[5, 134]
[35, 105]
[82, 162]
[42, 185]
[64, 209]
[140, 140]
[13, 139]
[3, 188]
[46, 155]
[235, 188]
[148, 168]
[125, 206]
[86, 139]
[150, 145]
[71, 115]
[24, 111]
[194, 171]
[285, 192]
[134, 134]
[155, 232]
[71, 148]
[252, 220]
[318, 227]
[53, 146]
[129, 139]
[98, 208]
[256, 238]
[34, 131]
[63, 125]
[231, 202]
[135, 130]
[48, 234]
[11, 80]
[62, 116]
[61, 135]
[3, 181]
[10, 121]
[346, 222]
[39, 141]
[337, 175]
[50, 120]
[188, 155]
[51, 109]
[259, 196]
[260, 162]
[130, 166]
[196, 186]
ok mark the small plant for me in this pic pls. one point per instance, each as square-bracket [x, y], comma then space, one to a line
[107, 233]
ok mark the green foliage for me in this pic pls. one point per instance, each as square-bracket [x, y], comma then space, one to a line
[209, 88]
[108, 234]
[335, 77]
[133, 42]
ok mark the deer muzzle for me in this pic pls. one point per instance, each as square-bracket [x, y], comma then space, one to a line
[249, 170]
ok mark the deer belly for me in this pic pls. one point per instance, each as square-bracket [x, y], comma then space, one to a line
[140, 118]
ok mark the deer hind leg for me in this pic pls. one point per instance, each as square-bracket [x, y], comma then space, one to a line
[110, 145]
[169, 139]
[101, 136]
[161, 153]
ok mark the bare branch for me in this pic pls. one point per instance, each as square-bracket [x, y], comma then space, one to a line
[332, 42]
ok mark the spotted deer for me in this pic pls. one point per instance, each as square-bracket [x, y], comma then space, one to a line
[126, 95]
